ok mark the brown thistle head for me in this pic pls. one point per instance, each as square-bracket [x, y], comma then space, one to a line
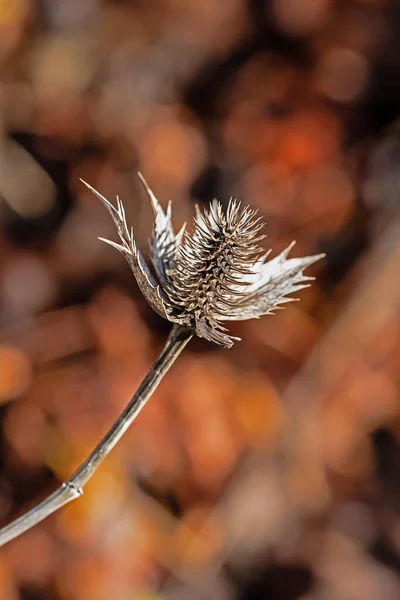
[210, 267]
[216, 273]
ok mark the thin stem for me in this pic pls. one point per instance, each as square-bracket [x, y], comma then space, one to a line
[72, 488]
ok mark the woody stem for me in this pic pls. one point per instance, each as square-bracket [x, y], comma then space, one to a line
[73, 487]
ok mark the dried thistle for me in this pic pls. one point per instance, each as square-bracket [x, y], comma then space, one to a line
[216, 273]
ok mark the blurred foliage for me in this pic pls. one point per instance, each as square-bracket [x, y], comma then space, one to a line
[269, 471]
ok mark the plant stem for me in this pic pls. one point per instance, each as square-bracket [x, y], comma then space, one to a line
[72, 488]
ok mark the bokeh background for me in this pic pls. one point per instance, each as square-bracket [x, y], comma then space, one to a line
[270, 471]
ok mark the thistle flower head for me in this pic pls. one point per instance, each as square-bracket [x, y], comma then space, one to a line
[216, 273]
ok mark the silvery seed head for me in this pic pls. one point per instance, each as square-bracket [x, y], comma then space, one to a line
[216, 273]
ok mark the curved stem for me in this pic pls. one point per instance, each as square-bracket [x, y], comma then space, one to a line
[72, 488]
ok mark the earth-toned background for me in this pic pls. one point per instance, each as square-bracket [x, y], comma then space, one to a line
[268, 471]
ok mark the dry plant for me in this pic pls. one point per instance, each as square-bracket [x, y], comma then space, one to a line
[215, 274]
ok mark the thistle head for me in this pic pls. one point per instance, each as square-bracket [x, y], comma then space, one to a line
[213, 274]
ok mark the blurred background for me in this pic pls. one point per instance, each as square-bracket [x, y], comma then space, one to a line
[269, 471]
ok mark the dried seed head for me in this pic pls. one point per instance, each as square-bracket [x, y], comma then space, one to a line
[206, 279]
[217, 273]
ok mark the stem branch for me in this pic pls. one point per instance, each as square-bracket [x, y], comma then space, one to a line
[72, 488]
